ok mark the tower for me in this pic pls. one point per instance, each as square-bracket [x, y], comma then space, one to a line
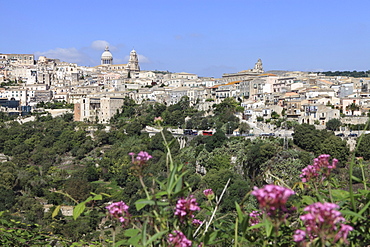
[258, 67]
[133, 62]
[106, 57]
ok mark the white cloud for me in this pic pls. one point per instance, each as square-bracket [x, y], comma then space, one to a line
[99, 45]
[71, 55]
[143, 59]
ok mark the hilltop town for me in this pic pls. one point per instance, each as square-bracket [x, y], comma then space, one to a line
[98, 92]
[148, 139]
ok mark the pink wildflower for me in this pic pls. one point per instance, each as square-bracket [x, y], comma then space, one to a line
[299, 236]
[197, 222]
[255, 218]
[186, 207]
[322, 220]
[178, 239]
[209, 194]
[158, 120]
[119, 210]
[273, 198]
[343, 233]
[141, 158]
[321, 165]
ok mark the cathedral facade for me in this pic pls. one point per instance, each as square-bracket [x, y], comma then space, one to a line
[107, 62]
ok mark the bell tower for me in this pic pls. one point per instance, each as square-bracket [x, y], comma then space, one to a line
[133, 62]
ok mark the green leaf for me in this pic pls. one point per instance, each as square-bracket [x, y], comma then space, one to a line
[139, 204]
[351, 213]
[356, 179]
[340, 195]
[178, 185]
[22, 240]
[308, 200]
[268, 227]
[78, 209]
[155, 237]
[120, 243]
[363, 210]
[98, 197]
[171, 180]
[131, 232]
[256, 226]
[239, 211]
[160, 194]
[212, 237]
[56, 211]
[143, 233]
[134, 240]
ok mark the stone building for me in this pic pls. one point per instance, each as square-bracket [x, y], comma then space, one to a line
[97, 109]
[17, 59]
[245, 74]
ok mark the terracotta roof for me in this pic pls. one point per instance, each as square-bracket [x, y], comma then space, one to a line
[291, 94]
[227, 84]
[325, 81]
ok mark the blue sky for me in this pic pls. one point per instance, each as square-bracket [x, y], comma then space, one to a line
[205, 37]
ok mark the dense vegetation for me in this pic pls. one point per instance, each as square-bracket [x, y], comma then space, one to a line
[347, 73]
[60, 162]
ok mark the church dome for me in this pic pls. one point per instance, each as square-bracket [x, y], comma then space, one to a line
[106, 54]
[106, 57]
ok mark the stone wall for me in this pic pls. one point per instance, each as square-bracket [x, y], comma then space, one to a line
[354, 120]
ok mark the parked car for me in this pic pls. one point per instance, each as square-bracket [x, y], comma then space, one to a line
[340, 134]
[352, 135]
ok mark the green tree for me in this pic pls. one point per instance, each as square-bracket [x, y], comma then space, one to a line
[274, 115]
[215, 141]
[320, 142]
[363, 149]
[352, 107]
[255, 155]
[244, 128]
[333, 124]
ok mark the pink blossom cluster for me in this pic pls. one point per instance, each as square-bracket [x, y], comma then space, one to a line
[255, 217]
[324, 221]
[178, 239]
[272, 199]
[141, 158]
[185, 207]
[158, 120]
[209, 194]
[321, 165]
[119, 210]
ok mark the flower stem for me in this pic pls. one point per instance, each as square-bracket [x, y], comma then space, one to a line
[144, 187]
[363, 174]
[330, 195]
[114, 236]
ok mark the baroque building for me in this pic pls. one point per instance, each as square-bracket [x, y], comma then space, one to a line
[133, 62]
[245, 74]
[107, 57]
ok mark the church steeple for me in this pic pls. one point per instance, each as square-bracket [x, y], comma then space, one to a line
[258, 66]
[133, 62]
